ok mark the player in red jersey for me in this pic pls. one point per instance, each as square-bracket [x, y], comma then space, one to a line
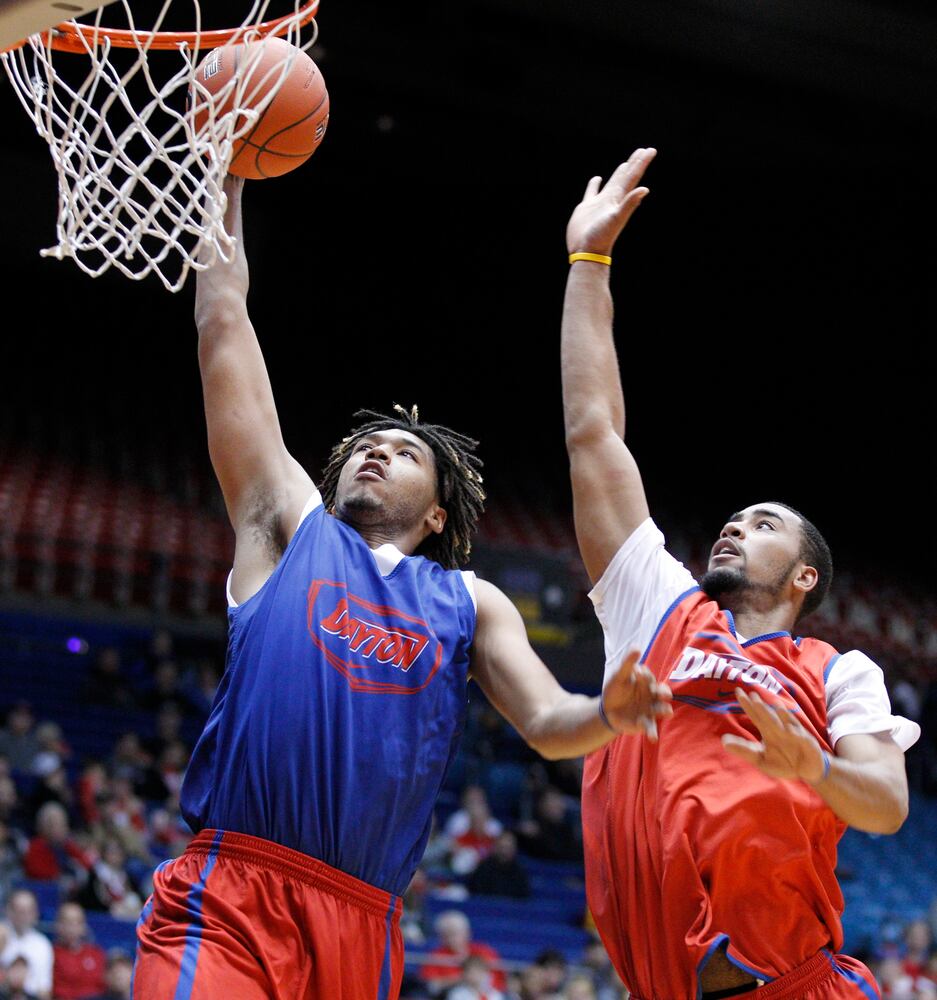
[710, 855]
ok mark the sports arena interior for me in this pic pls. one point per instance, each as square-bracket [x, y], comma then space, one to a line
[773, 307]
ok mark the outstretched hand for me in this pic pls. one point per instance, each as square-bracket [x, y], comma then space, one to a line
[633, 699]
[604, 211]
[786, 749]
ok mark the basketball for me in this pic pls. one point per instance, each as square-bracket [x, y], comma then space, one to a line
[290, 128]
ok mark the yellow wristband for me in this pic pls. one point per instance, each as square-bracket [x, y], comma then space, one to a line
[597, 258]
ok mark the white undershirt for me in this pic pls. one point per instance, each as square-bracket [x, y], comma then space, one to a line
[387, 556]
[643, 580]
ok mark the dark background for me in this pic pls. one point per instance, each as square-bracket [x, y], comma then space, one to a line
[774, 294]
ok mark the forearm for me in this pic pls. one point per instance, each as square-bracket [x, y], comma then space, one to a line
[244, 439]
[571, 727]
[864, 794]
[592, 396]
[221, 290]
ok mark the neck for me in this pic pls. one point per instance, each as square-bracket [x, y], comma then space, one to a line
[377, 535]
[754, 618]
[752, 624]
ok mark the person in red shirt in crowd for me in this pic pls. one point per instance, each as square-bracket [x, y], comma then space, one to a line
[444, 965]
[78, 964]
[53, 853]
[92, 782]
[917, 948]
[472, 831]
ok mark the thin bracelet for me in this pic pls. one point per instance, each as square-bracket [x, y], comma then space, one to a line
[827, 764]
[596, 258]
[602, 714]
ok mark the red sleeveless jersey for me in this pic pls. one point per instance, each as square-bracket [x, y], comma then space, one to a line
[688, 847]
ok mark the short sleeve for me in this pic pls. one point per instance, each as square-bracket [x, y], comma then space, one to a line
[638, 586]
[857, 702]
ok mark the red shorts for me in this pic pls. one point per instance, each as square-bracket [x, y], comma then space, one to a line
[240, 918]
[824, 977]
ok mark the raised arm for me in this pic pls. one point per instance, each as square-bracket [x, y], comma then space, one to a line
[264, 487]
[553, 721]
[608, 495]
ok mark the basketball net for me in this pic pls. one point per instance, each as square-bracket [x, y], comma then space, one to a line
[140, 190]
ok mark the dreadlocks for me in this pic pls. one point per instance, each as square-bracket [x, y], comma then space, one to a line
[458, 481]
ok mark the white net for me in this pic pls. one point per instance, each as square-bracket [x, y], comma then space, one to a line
[140, 188]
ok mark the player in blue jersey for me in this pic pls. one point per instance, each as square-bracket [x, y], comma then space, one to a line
[352, 635]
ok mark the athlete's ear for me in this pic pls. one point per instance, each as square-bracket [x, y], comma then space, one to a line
[436, 519]
[806, 579]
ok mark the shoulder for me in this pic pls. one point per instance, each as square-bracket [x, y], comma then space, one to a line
[493, 605]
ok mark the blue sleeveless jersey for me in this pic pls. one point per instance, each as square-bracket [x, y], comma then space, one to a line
[341, 706]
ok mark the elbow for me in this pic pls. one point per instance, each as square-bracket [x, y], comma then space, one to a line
[897, 815]
[220, 308]
[587, 430]
[888, 819]
[548, 750]
[543, 742]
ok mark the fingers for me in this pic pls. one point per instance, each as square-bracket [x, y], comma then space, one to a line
[748, 750]
[592, 188]
[632, 668]
[768, 720]
[635, 699]
[630, 663]
[628, 174]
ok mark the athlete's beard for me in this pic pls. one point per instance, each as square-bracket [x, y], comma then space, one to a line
[732, 589]
[362, 509]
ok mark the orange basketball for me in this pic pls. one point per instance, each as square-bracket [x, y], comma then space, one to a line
[292, 125]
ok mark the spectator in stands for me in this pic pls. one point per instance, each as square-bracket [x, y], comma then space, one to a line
[162, 646]
[435, 861]
[443, 966]
[166, 686]
[917, 948]
[25, 941]
[895, 983]
[500, 873]
[170, 768]
[167, 832]
[555, 967]
[54, 853]
[130, 760]
[476, 982]
[474, 803]
[605, 980]
[552, 833]
[12, 811]
[53, 786]
[78, 966]
[531, 984]
[169, 719]
[105, 683]
[122, 817]
[18, 741]
[118, 976]
[580, 987]
[201, 685]
[414, 909]
[12, 848]
[17, 976]
[92, 782]
[110, 888]
[471, 831]
[53, 750]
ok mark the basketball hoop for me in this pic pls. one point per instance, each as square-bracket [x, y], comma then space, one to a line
[140, 189]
